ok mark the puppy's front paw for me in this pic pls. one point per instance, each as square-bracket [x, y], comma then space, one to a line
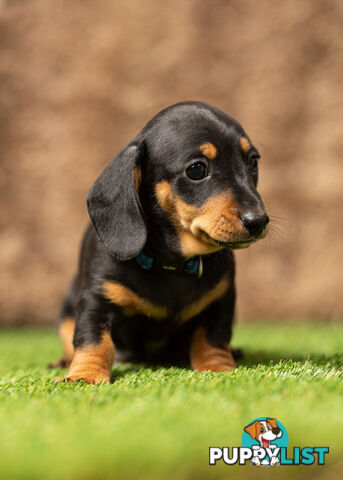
[206, 357]
[91, 374]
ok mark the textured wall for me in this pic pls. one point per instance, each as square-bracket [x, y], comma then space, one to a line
[79, 79]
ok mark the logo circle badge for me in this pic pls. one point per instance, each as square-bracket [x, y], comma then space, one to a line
[265, 436]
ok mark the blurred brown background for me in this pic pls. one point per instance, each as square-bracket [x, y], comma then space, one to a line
[80, 78]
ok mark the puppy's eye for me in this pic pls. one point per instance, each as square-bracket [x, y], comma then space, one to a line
[253, 163]
[197, 171]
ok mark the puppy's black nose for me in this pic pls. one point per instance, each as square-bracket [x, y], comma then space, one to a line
[254, 222]
[276, 431]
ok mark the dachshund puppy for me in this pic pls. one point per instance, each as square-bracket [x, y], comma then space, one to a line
[156, 272]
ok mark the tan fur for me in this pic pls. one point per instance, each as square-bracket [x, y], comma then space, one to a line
[131, 302]
[137, 177]
[252, 429]
[209, 150]
[191, 245]
[209, 297]
[245, 145]
[92, 363]
[272, 422]
[217, 219]
[164, 195]
[66, 332]
[206, 357]
[200, 228]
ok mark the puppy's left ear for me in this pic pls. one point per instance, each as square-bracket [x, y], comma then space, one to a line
[114, 207]
[252, 430]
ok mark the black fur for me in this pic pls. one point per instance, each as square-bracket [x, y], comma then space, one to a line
[114, 207]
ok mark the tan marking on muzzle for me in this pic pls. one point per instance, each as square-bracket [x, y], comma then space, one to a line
[217, 218]
[200, 228]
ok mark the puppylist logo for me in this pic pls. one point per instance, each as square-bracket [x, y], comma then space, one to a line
[265, 437]
[264, 444]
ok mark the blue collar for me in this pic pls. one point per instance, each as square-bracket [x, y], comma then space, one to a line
[192, 266]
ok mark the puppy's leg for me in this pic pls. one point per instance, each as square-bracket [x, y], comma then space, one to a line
[92, 363]
[209, 348]
[205, 356]
[66, 326]
[66, 331]
[93, 345]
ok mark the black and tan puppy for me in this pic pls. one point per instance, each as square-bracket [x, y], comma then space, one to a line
[156, 274]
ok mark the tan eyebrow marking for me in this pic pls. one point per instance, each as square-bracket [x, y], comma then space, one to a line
[209, 150]
[245, 145]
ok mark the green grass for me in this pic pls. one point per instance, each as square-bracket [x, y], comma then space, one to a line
[159, 423]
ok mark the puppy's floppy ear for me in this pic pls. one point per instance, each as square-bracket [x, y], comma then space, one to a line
[114, 207]
[272, 422]
[251, 429]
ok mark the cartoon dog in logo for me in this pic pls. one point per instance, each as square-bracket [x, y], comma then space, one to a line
[264, 431]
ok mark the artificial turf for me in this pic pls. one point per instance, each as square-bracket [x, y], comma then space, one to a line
[158, 423]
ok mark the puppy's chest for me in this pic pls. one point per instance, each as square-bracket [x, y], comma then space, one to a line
[166, 299]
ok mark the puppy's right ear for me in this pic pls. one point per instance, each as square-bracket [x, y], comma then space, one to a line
[114, 207]
[251, 430]
[272, 421]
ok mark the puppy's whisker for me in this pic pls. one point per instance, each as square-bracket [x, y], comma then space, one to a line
[274, 235]
[259, 144]
[278, 226]
[279, 217]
